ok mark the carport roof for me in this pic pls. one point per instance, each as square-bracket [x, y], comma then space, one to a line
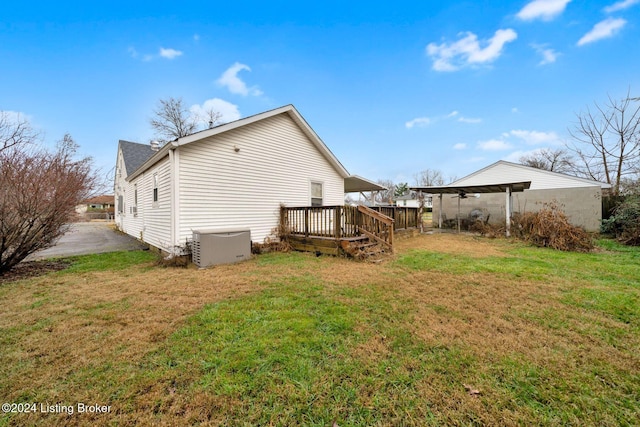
[357, 184]
[467, 189]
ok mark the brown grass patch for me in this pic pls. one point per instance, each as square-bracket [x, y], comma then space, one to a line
[73, 322]
[450, 243]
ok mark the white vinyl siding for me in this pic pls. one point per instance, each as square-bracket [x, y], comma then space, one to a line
[157, 215]
[241, 177]
[151, 223]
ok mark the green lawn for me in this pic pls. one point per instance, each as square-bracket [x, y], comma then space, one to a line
[545, 337]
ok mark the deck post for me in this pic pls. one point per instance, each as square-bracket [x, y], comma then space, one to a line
[439, 212]
[337, 222]
[306, 222]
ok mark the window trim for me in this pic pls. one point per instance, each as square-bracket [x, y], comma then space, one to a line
[155, 190]
[313, 201]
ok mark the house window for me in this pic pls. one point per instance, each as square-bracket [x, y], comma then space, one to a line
[155, 187]
[316, 194]
[120, 204]
[135, 200]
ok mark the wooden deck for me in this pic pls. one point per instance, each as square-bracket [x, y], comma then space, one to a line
[337, 229]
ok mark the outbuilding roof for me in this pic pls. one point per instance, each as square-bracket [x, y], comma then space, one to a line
[514, 187]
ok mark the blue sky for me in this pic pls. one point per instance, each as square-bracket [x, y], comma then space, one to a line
[391, 88]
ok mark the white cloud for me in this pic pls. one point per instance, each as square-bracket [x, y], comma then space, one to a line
[228, 111]
[515, 110]
[542, 9]
[494, 145]
[621, 5]
[549, 56]
[196, 37]
[471, 120]
[468, 50]
[420, 122]
[602, 30]
[534, 137]
[169, 53]
[163, 53]
[460, 146]
[234, 84]
[426, 121]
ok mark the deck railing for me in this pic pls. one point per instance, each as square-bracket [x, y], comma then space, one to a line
[403, 217]
[376, 225]
[341, 222]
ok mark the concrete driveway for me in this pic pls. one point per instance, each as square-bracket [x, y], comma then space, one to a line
[88, 238]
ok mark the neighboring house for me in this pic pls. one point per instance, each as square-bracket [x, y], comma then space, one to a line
[411, 200]
[579, 198]
[100, 203]
[236, 175]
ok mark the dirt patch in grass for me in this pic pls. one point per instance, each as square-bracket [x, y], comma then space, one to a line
[450, 243]
[28, 269]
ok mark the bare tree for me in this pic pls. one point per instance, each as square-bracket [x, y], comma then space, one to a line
[15, 130]
[554, 160]
[607, 141]
[431, 178]
[172, 120]
[385, 196]
[39, 190]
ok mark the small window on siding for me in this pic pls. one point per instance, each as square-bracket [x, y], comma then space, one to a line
[316, 194]
[155, 187]
[120, 204]
[135, 200]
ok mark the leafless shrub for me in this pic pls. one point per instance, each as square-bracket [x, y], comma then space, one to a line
[270, 245]
[550, 227]
[38, 194]
[487, 229]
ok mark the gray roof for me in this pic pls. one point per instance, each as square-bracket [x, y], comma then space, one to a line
[134, 155]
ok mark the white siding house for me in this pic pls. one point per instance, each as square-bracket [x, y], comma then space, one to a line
[579, 198]
[234, 175]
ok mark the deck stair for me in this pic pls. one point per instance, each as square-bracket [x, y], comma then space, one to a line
[364, 248]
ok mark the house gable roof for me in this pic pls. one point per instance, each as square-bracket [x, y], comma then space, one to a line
[503, 171]
[290, 110]
[134, 155]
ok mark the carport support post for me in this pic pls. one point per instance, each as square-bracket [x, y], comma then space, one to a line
[507, 208]
[440, 212]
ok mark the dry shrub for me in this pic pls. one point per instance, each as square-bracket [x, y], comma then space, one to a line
[270, 245]
[487, 230]
[550, 227]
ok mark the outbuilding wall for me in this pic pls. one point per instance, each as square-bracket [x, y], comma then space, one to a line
[583, 205]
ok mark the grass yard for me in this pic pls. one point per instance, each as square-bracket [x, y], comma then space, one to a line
[455, 330]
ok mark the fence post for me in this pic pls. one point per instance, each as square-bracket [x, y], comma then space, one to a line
[306, 222]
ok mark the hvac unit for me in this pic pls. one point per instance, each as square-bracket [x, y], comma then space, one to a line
[221, 246]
